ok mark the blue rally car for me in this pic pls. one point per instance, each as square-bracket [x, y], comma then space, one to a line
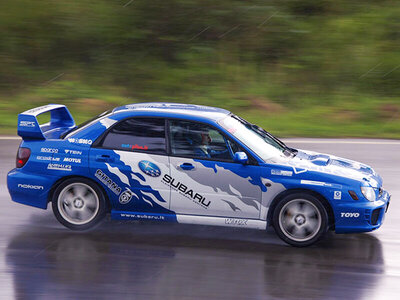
[188, 164]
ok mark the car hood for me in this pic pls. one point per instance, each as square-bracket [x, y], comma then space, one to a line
[312, 161]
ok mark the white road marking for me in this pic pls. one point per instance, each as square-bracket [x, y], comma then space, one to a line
[333, 141]
[9, 138]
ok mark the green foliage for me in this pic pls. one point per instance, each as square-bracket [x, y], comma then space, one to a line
[307, 67]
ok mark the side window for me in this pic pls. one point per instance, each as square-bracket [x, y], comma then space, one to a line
[198, 141]
[137, 134]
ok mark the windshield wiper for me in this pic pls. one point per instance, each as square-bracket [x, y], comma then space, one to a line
[287, 150]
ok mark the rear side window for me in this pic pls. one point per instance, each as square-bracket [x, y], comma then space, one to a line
[137, 134]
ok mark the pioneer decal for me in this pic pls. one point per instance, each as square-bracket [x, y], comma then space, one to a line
[186, 191]
[29, 186]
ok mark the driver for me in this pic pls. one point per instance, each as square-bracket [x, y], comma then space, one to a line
[203, 149]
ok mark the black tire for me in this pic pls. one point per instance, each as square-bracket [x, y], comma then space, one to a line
[300, 219]
[78, 203]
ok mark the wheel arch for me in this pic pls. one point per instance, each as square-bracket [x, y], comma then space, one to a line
[61, 180]
[322, 199]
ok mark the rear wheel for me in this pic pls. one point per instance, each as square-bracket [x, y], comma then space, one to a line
[78, 204]
[300, 219]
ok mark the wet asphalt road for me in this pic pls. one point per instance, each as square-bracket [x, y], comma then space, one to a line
[40, 259]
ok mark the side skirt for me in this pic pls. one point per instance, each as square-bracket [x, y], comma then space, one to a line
[190, 219]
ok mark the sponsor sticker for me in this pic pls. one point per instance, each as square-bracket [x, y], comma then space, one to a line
[30, 186]
[74, 152]
[125, 196]
[72, 160]
[133, 147]
[337, 195]
[80, 141]
[60, 167]
[311, 182]
[238, 222]
[108, 182]
[37, 109]
[27, 124]
[349, 215]
[47, 158]
[49, 150]
[281, 172]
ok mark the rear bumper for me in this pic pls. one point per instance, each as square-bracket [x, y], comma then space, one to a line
[29, 189]
[361, 216]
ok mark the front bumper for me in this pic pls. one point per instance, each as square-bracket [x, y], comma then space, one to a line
[361, 216]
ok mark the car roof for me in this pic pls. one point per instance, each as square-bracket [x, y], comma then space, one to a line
[175, 108]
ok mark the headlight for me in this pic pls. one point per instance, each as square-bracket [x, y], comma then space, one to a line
[368, 192]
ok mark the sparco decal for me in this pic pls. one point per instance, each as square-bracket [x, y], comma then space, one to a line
[126, 196]
[29, 186]
[185, 191]
[49, 150]
[108, 182]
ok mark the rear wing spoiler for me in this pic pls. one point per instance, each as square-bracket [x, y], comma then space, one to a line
[60, 122]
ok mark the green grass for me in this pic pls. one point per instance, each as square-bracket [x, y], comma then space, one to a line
[344, 117]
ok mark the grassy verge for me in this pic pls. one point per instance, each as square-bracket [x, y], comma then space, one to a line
[363, 117]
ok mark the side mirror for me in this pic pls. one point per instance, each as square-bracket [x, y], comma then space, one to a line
[240, 157]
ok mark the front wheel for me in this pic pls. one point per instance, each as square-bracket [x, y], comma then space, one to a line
[78, 204]
[300, 219]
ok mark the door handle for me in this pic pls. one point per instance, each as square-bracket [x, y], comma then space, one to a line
[104, 158]
[186, 166]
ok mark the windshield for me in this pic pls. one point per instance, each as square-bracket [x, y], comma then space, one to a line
[73, 130]
[257, 139]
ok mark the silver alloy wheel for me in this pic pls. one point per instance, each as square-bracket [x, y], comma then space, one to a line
[78, 203]
[300, 220]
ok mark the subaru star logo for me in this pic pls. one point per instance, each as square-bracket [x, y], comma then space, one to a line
[149, 168]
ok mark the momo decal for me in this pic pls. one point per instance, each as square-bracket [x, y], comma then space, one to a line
[149, 168]
[80, 141]
[126, 196]
[29, 186]
[108, 182]
[73, 160]
[49, 150]
[27, 124]
[74, 152]
[135, 147]
[185, 191]
[349, 215]
[59, 167]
